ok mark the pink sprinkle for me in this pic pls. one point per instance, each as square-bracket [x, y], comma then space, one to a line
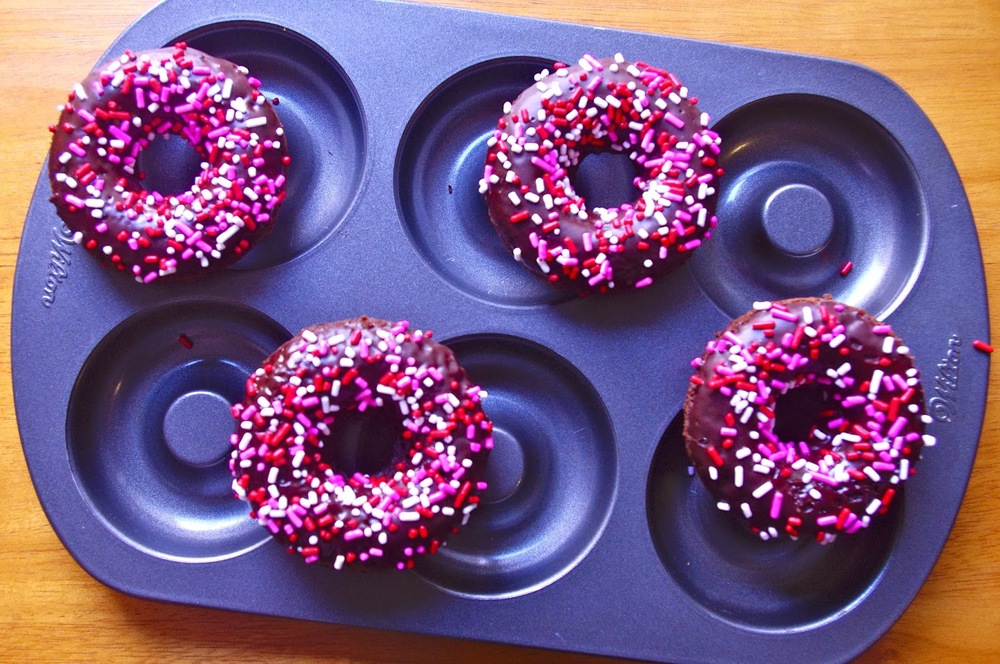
[776, 504]
[119, 134]
[784, 315]
[645, 281]
[826, 479]
[855, 525]
[544, 165]
[897, 427]
[674, 120]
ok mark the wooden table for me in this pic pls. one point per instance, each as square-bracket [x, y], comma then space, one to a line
[946, 55]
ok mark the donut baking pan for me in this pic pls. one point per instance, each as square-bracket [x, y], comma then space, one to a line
[592, 519]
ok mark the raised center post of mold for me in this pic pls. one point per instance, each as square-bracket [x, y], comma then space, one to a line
[798, 220]
[197, 427]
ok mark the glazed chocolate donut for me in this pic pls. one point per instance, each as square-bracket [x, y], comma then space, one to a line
[298, 405]
[803, 416]
[116, 112]
[597, 106]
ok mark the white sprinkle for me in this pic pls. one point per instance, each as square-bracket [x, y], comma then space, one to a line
[876, 381]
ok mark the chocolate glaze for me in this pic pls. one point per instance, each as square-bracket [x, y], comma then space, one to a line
[869, 436]
[636, 245]
[131, 234]
[343, 532]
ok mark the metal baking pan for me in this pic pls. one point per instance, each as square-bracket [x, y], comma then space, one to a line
[594, 537]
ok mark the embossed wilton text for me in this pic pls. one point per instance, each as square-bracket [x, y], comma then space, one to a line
[943, 406]
[59, 260]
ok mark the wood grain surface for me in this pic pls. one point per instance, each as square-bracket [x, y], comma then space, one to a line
[945, 55]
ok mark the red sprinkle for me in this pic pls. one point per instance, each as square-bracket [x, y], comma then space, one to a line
[979, 344]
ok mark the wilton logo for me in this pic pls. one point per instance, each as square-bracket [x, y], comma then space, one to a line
[943, 405]
[59, 260]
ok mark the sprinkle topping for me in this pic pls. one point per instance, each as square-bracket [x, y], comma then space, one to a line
[116, 112]
[607, 105]
[809, 412]
[292, 421]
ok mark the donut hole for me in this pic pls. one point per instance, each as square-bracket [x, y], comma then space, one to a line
[606, 179]
[798, 410]
[366, 442]
[169, 165]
